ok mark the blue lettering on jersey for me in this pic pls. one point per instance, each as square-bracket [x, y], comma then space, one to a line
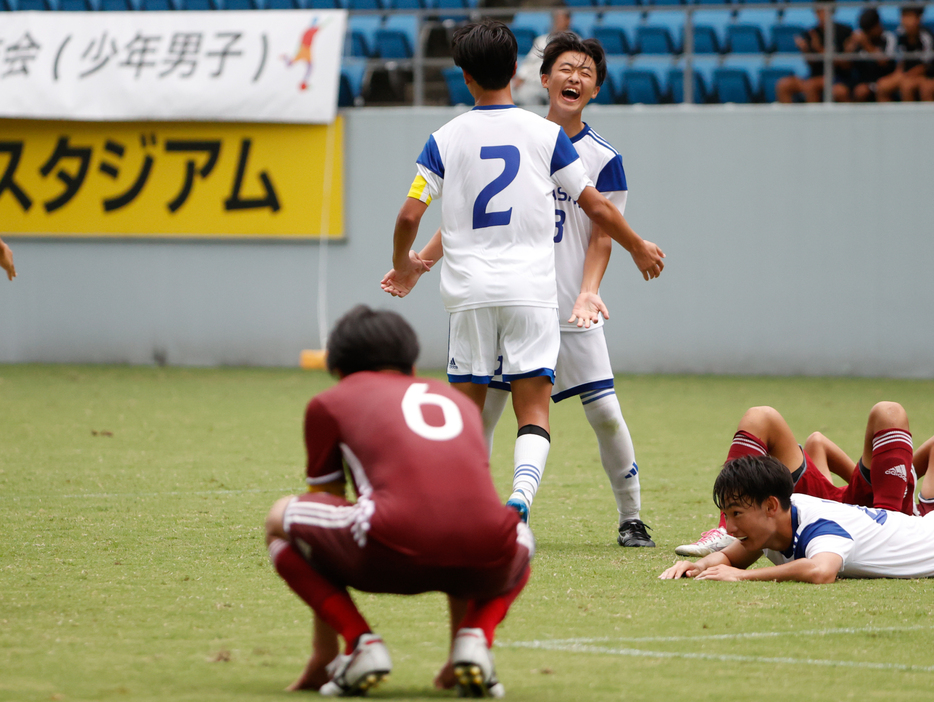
[564, 153]
[560, 216]
[430, 157]
[877, 515]
[510, 156]
[820, 527]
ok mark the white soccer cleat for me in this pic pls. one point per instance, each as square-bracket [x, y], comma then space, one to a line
[366, 667]
[473, 666]
[709, 542]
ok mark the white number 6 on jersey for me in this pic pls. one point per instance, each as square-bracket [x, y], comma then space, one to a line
[415, 397]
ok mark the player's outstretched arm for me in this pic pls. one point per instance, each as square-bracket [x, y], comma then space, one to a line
[589, 305]
[688, 569]
[819, 569]
[649, 259]
[6, 260]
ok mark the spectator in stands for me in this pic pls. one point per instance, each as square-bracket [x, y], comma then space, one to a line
[878, 46]
[6, 260]
[527, 84]
[812, 42]
[910, 73]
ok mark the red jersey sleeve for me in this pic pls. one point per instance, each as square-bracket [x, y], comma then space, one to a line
[322, 445]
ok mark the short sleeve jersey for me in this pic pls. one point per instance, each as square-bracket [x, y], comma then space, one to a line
[496, 168]
[573, 228]
[415, 451]
[923, 42]
[873, 543]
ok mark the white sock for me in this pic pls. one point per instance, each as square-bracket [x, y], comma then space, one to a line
[616, 453]
[530, 457]
[493, 408]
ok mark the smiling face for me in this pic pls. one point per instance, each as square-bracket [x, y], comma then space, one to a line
[756, 525]
[571, 83]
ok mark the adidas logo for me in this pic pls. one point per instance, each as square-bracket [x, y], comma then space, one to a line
[898, 471]
[452, 364]
[633, 472]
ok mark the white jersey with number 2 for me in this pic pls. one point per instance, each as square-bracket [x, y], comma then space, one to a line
[497, 167]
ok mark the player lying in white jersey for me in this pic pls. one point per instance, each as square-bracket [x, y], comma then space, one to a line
[808, 539]
[572, 71]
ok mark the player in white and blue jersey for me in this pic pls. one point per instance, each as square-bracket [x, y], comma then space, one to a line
[808, 539]
[498, 167]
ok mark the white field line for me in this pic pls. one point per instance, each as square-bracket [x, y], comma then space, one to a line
[174, 493]
[587, 646]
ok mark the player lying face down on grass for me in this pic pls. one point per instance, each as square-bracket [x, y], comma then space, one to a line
[882, 477]
[426, 516]
[808, 539]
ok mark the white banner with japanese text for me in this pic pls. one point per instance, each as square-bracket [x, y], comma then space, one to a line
[269, 66]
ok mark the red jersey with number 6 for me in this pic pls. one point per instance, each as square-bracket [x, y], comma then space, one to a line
[415, 451]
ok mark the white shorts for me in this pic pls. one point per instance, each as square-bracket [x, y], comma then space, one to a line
[583, 366]
[511, 342]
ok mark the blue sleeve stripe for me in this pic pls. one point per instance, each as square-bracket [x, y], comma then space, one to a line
[564, 153]
[612, 178]
[430, 157]
[820, 527]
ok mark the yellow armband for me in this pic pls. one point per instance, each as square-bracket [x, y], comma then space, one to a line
[417, 191]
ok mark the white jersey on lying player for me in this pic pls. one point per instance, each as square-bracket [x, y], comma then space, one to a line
[604, 166]
[873, 543]
[497, 167]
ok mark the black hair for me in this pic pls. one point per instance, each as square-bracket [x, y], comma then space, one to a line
[869, 19]
[487, 50]
[569, 41]
[749, 480]
[913, 9]
[367, 339]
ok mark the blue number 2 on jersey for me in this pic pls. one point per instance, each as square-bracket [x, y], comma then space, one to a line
[510, 156]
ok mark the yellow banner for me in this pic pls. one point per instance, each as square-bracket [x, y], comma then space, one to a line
[171, 179]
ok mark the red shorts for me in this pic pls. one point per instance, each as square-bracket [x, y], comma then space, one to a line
[331, 541]
[813, 482]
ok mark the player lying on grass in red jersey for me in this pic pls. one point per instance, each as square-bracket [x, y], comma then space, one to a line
[883, 476]
[808, 539]
[426, 517]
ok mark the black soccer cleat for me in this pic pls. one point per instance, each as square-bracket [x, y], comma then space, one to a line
[633, 532]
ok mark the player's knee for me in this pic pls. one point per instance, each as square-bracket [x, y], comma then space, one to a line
[814, 443]
[274, 526]
[757, 419]
[888, 415]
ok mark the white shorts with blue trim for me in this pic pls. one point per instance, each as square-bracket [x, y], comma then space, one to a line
[583, 367]
[508, 342]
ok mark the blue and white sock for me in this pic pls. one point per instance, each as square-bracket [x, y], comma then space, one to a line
[493, 408]
[616, 450]
[532, 445]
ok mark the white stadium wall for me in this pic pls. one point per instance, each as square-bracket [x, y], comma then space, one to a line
[800, 240]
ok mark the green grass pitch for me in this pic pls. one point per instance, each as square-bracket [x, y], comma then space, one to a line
[132, 564]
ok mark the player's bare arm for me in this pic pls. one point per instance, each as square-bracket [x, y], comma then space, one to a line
[734, 556]
[429, 255]
[406, 269]
[649, 259]
[589, 305]
[6, 260]
[820, 569]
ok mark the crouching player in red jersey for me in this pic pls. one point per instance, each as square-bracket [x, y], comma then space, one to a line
[427, 517]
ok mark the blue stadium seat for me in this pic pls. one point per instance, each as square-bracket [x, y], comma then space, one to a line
[778, 67]
[23, 5]
[353, 72]
[281, 5]
[238, 5]
[793, 23]
[848, 16]
[457, 7]
[321, 4]
[710, 30]
[663, 2]
[116, 5]
[614, 87]
[196, 5]
[703, 68]
[711, 2]
[579, 3]
[398, 37]
[647, 80]
[617, 32]
[527, 26]
[365, 5]
[458, 94]
[737, 79]
[619, 3]
[584, 22]
[362, 30]
[752, 32]
[661, 33]
[891, 17]
[406, 4]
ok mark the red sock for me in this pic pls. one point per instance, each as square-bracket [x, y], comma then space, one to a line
[890, 470]
[331, 603]
[745, 444]
[488, 614]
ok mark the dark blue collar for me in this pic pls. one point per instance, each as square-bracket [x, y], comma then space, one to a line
[492, 107]
[581, 134]
[794, 533]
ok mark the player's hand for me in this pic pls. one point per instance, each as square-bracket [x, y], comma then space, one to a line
[721, 572]
[649, 259]
[587, 310]
[399, 283]
[681, 569]
[445, 679]
[6, 260]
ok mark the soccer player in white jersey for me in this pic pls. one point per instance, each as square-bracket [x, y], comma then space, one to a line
[808, 539]
[498, 166]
